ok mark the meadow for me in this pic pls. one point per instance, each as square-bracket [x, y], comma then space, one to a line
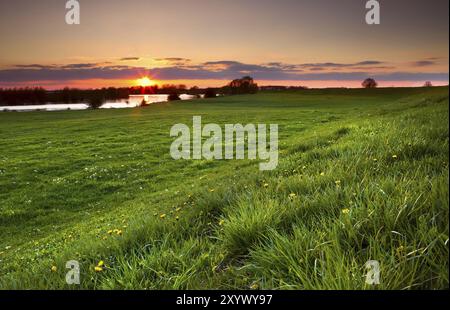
[363, 175]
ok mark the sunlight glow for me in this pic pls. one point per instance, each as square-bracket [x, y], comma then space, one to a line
[145, 82]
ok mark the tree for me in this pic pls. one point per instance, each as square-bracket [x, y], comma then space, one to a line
[428, 84]
[95, 102]
[174, 96]
[369, 83]
[246, 85]
[210, 93]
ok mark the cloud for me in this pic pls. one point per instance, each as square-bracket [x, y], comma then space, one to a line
[130, 59]
[423, 63]
[175, 61]
[217, 70]
[81, 66]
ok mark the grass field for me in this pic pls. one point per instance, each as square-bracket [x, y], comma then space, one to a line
[363, 175]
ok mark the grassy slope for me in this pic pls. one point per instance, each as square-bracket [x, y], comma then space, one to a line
[67, 178]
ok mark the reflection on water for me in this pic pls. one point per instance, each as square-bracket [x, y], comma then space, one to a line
[132, 102]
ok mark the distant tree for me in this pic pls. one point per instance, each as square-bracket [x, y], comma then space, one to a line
[369, 83]
[174, 96]
[96, 101]
[210, 93]
[428, 84]
[246, 85]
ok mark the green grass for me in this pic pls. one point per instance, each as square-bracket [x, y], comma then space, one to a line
[68, 178]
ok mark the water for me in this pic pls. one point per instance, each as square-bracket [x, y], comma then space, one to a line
[132, 102]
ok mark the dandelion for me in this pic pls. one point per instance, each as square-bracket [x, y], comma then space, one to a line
[110, 232]
[98, 269]
[266, 185]
[375, 160]
[54, 269]
[177, 218]
[292, 196]
[221, 222]
[162, 216]
[394, 156]
[338, 183]
[346, 211]
[119, 232]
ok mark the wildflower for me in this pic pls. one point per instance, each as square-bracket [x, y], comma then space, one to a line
[322, 174]
[119, 232]
[375, 160]
[177, 218]
[221, 222]
[254, 286]
[54, 269]
[212, 190]
[110, 232]
[101, 264]
[346, 211]
[98, 269]
[177, 209]
[292, 196]
[266, 185]
[394, 156]
[162, 216]
[338, 183]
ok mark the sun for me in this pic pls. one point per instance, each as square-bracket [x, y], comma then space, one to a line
[145, 82]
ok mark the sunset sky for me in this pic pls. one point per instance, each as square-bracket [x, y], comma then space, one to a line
[317, 43]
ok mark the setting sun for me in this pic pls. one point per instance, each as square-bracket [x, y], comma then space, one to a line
[145, 82]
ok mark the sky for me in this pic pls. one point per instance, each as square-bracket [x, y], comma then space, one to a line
[315, 43]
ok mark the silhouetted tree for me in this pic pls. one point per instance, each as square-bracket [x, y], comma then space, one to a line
[174, 96]
[428, 84]
[369, 83]
[246, 85]
[210, 93]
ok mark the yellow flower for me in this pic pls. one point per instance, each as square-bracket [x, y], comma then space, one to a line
[346, 211]
[292, 196]
[110, 232]
[375, 160]
[394, 156]
[266, 185]
[212, 190]
[177, 218]
[54, 269]
[119, 232]
[98, 269]
[322, 174]
[338, 183]
[254, 286]
[221, 222]
[162, 216]
[101, 264]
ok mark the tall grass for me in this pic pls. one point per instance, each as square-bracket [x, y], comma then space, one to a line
[363, 176]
